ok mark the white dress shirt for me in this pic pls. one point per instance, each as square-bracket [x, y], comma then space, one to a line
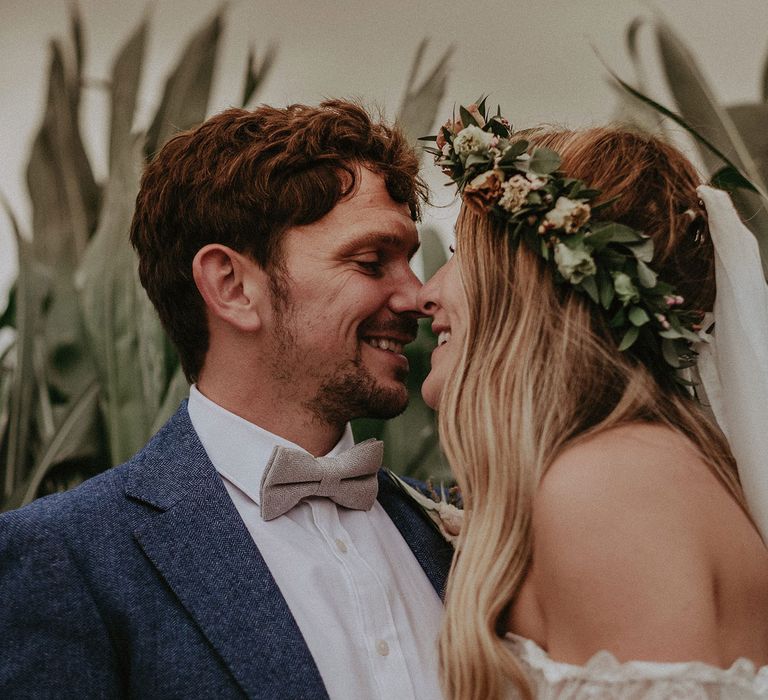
[365, 607]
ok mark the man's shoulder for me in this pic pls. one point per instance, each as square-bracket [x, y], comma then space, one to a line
[105, 492]
[57, 513]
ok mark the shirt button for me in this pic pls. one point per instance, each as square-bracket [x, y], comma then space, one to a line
[382, 647]
[342, 547]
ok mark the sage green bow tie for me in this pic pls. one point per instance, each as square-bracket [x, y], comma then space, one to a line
[348, 479]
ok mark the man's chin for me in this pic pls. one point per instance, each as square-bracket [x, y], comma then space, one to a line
[387, 403]
[359, 394]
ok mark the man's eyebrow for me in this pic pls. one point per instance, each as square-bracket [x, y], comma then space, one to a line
[383, 240]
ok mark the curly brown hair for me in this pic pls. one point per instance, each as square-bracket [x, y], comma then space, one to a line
[242, 178]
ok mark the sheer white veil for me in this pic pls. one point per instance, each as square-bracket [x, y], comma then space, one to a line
[733, 364]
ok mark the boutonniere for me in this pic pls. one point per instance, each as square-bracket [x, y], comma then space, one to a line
[442, 507]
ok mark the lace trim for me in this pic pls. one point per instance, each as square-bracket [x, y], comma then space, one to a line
[605, 668]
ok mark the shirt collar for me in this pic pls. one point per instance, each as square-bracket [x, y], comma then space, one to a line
[240, 450]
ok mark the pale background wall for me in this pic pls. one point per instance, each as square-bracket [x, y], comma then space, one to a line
[535, 57]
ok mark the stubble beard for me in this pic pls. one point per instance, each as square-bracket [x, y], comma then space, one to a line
[346, 390]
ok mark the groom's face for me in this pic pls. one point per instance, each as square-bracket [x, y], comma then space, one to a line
[347, 306]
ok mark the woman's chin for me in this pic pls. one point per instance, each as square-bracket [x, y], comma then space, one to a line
[431, 390]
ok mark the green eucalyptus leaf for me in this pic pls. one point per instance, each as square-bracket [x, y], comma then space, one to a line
[514, 151]
[638, 316]
[589, 285]
[670, 333]
[619, 319]
[646, 276]
[544, 161]
[642, 250]
[669, 350]
[497, 128]
[475, 159]
[466, 117]
[613, 232]
[629, 338]
[605, 285]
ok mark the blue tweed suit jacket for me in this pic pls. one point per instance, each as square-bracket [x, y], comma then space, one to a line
[144, 582]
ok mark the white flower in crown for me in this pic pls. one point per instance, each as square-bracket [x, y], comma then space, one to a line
[536, 181]
[574, 264]
[472, 139]
[568, 214]
[515, 190]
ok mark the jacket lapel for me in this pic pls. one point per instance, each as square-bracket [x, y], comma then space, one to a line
[201, 547]
[427, 544]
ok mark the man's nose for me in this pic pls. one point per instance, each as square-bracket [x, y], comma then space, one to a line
[427, 295]
[405, 299]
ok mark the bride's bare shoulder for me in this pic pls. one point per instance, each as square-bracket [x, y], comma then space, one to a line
[634, 466]
[621, 546]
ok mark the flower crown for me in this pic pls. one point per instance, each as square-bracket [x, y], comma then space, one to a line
[504, 177]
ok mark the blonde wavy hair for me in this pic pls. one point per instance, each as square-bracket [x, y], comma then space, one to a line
[540, 370]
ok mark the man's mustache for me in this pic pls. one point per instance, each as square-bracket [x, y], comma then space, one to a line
[405, 327]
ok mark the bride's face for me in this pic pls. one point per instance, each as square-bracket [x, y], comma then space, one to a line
[443, 298]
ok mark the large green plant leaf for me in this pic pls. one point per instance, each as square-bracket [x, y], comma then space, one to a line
[113, 308]
[700, 109]
[126, 76]
[751, 121]
[187, 89]
[69, 440]
[65, 197]
[31, 287]
[418, 110]
[256, 72]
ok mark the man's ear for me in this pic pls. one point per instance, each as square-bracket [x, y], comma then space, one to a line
[235, 288]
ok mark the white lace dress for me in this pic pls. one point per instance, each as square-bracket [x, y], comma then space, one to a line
[604, 677]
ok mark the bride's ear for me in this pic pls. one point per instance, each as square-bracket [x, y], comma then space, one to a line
[234, 287]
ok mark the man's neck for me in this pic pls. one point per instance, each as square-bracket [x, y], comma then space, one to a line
[295, 424]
